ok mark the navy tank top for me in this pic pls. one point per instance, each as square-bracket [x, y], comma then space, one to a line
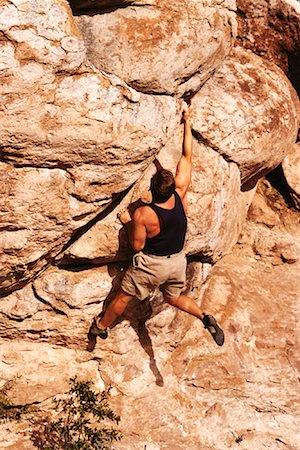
[173, 223]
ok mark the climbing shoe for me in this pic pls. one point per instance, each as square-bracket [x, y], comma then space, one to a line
[210, 323]
[94, 331]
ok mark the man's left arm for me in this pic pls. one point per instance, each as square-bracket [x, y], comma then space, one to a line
[135, 228]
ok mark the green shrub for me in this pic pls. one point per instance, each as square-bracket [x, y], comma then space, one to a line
[78, 425]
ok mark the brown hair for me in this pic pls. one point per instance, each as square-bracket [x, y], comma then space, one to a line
[162, 186]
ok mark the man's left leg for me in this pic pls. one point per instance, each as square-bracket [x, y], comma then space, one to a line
[187, 304]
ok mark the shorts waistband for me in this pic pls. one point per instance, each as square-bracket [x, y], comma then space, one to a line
[172, 255]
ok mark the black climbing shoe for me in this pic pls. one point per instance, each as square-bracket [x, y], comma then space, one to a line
[94, 331]
[210, 323]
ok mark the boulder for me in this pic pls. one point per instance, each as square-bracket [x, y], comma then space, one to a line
[162, 47]
[68, 134]
[59, 306]
[247, 112]
[272, 31]
[157, 355]
[76, 146]
[272, 229]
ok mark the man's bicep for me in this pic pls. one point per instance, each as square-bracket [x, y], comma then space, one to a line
[183, 174]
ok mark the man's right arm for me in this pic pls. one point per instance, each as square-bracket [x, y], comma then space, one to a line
[184, 167]
[135, 226]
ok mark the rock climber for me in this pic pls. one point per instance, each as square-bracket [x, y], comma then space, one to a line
[156, 233]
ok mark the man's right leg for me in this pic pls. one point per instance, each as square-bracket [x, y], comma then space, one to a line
[115, 309]
[101, 323]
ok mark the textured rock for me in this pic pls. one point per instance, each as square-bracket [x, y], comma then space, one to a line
[217, 209]
[291, 170]
[162, 362]
[161, 47]
[248, 112]
[30, 363]
[272, 31]
[56, 304]
[82, 135]
[76, 146]
[36, 218]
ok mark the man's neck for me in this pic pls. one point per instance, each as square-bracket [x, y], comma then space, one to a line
[169, 204]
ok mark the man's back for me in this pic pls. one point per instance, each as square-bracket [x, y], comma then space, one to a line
[170, 231]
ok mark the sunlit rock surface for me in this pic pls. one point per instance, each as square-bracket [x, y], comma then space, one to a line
[247, 112]
[79, 144]
[244, 393]
[165, 47]
[271, 30]
[82, 136]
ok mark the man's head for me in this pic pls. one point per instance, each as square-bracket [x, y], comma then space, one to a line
[162, 186]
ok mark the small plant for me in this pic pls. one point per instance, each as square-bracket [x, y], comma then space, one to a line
[8, 410]
[78, 426]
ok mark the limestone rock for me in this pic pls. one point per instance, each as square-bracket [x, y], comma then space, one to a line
[59, 306]
[248, 112]
[76, 146]
[104, 242]
[291, 170]
[272, 31]
[165, 357]
[36, 218]
[25, 362]
[80, 134]
[270, 236]
[156, 355]
[217, 209]
[163, 46]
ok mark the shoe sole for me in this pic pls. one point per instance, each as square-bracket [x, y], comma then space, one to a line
[215, 331]
[217, 335]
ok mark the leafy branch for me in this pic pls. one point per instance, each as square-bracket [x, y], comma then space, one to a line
[78, 426]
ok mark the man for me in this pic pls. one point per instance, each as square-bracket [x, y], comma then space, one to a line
[157, 233]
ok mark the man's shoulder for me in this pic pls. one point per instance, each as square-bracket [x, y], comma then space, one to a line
[143, 213]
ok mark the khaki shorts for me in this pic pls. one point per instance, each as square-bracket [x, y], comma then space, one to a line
[148, 272]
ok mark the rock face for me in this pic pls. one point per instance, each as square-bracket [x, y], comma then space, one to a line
[159, 356]
[272, 31]
[86, 114]
[236, 113]
[164, 47]
[81, 126]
